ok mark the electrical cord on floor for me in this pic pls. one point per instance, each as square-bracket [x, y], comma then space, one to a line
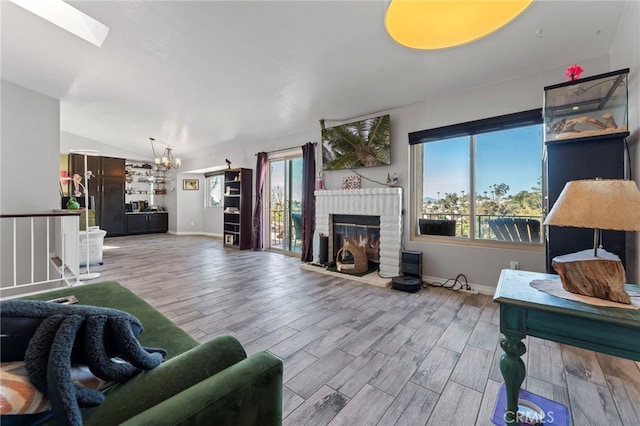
[383, 277]
[456, 285]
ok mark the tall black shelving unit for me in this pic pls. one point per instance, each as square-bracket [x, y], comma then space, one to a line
[585, 131]
[576, 159]
[237, 208]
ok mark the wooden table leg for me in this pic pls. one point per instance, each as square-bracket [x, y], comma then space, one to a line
[513, 371]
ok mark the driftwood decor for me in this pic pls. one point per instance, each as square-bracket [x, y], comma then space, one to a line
[587, 126]
[602, 276]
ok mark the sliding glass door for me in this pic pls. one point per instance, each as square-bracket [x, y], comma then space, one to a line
[285, 195]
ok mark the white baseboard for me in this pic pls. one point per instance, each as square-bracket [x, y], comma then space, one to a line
[484, 289]
[205, 234]
[212, 234]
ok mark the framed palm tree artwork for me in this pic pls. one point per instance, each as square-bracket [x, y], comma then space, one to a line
[364, 143]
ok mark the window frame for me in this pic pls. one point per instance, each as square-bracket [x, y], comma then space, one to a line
[470, 130]
[208, 178]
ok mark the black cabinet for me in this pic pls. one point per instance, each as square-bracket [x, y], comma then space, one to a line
[107, 185]
[576, 159]
[145, 223]
[237, 208]
[114, 167]
[112, 205]
[158, 222]
[585, 128]
[76, 165]
[137, 223]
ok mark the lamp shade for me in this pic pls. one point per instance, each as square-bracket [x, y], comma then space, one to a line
[600, 204]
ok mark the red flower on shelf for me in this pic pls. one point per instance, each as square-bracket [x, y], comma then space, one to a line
[573, 72]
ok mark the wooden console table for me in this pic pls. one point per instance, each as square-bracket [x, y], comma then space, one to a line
[525, 310]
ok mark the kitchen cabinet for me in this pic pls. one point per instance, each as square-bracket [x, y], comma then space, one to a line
[147, 222]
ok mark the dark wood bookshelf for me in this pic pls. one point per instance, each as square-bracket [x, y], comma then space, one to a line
[237, 208]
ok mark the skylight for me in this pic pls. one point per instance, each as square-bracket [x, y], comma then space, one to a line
[68, 18]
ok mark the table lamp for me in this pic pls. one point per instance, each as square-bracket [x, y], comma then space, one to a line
[599, 204]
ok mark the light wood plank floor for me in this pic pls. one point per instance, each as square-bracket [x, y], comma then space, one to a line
[356, 354]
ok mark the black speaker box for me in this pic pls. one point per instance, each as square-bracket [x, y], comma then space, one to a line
[323, 256]
[412, 264]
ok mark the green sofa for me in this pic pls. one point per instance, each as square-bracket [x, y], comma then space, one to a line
[213, 383]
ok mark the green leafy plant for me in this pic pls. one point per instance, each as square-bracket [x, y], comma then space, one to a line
[73, 204]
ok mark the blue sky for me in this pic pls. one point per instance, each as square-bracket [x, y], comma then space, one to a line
[511, 156]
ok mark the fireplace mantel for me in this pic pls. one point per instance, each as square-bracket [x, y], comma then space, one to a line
[383, 202]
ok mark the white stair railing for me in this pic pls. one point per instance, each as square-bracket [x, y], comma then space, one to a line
[38, 251]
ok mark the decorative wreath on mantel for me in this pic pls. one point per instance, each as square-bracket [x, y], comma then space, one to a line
[352, 259]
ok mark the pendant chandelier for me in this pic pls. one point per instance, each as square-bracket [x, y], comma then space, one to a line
[167, 159]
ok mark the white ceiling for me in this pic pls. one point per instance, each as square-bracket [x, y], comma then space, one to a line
[196, 74]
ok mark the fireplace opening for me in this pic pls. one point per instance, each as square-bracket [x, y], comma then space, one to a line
[357, 230]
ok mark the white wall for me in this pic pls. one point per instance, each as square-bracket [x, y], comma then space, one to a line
[192, 216]
[241, 154]
[212, 218]
[189, 206]
[481, 265]
[29, 173]
[170, 200]
[29, 151]
[625, 53]
[69, 141]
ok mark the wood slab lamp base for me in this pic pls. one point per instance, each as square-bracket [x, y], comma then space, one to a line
[600, 276]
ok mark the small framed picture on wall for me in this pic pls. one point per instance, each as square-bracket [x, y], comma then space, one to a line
[190, 184]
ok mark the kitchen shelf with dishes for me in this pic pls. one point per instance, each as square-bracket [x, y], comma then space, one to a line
[146, 184]
[145, 187]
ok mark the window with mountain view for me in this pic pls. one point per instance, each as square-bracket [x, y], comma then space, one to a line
[485, 185]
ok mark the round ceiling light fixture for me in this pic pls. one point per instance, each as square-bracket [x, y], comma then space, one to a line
[426, 24]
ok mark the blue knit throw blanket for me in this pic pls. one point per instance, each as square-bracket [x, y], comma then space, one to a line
[50, 336]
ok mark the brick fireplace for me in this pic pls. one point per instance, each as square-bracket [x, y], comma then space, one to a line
[383, 202]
